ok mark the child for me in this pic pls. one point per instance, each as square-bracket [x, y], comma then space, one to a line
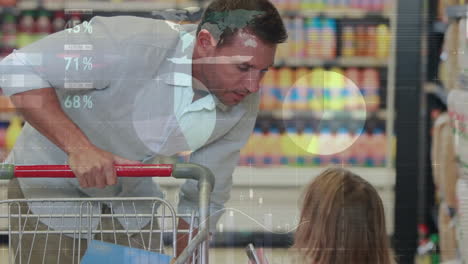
[342, 222]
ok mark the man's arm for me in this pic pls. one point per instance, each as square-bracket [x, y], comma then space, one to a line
[51, 64]
[93, 167]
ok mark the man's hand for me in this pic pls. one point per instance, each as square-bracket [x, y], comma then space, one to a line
[94, 167]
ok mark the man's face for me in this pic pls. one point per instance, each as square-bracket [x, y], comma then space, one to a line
[236, 68]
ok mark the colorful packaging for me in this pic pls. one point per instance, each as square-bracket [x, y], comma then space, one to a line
[313, 37]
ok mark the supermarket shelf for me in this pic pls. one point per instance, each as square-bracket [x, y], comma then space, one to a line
[94, 6]
[10, 10]
[343, 62]
[457, 11]
[326, 115]
[337, 13]
[283, 177]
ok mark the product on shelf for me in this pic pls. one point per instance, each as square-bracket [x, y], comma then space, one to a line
[371, 46]
[306, 146]
[370, 87]
[13, 131]
[361, 41]
[328, 39]
[25, 34]
[354, 99]
[360, 149]
[313, 36]
[378, 143]
[317, 79]
[43, 25]
[318, 90]
[272, 155]
[299, 94]
[297, 37]
[383, 41]
[8, 34]
[285, 81]
[269, 91]
[336, 83]
[343, 142]
[348, 42]
[3, 129]
[58, 24]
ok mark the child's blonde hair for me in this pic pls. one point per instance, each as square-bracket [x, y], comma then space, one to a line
[342, 221]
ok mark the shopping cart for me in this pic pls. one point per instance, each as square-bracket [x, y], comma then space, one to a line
[88, 216]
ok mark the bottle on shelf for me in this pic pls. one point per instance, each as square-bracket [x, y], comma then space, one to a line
[74, 20]
[370, 88]
[354, 99]
[289, 145]
[317, 84]
[269, 100]
[25, 34]
[361, 41]
[43, 25]
[325, 140]
[383, 41]
[328, 39]
[378, 142]
[303, 140]
[58, 24]
[371, 41]
[311, 140]
[13, 131]
[435, 254]
[337, 86]
[313, 37]
[425, 246]
[286, 81]
[245, 153]
[348, 44]
[299, 35]
[301, 89]
[343, 141]
[258, 151]
[276, 153]
[284, 141]
[360, 149]
[3, 129]
[9, 34]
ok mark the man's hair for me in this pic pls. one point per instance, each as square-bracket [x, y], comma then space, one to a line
[224, 18]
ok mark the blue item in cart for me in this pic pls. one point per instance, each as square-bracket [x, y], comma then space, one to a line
[108, 253]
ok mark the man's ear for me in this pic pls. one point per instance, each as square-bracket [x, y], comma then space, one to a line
[205, 40]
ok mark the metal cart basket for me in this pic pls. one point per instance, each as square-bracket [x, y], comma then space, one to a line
[110, 220]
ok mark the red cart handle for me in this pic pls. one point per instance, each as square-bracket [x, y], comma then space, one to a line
[9, 171]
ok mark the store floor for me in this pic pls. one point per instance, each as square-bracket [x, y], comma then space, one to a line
[217, 255]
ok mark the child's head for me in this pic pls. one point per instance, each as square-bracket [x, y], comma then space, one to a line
[342, 221]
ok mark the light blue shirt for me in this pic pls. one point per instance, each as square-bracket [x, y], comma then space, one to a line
[141, 90]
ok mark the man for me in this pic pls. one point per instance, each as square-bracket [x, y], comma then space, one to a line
[157, 88]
